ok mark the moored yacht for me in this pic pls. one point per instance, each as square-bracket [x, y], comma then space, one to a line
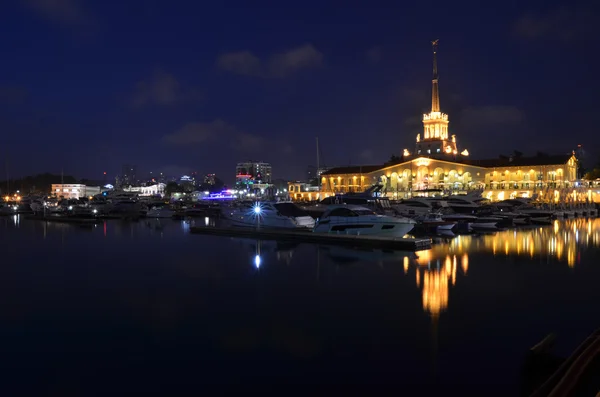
[159, 210]
[418, 206]
[268, 215]
[354, 219]
[473, 222]
[433, 222]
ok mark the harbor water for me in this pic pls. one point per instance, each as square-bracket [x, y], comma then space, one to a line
[149, 307]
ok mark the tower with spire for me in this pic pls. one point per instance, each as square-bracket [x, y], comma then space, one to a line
[435, 140]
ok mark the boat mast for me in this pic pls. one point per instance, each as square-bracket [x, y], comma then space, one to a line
[317, 172]
[7, 177]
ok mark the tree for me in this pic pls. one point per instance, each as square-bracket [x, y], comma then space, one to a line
[41, 183]
[172, 187]
[213, 188]
[592, 175]
[395, 160]
[517, 154]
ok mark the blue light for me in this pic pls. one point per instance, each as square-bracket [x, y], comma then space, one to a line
[257, 209]
[257, 261]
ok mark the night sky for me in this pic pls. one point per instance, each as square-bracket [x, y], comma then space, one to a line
[180, 86]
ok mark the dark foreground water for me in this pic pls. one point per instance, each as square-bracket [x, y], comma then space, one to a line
[145, 307]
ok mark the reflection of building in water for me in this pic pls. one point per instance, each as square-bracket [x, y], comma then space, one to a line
[563, 241]
[437, 268]
[435, 277]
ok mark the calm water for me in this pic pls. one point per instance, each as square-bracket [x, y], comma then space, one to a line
[144, 307]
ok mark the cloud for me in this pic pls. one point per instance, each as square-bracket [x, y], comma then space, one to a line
[220, 132]
[278, 65]
[374, 54]
[288, 62]
[13, 95]
[162, 89]
[242, 62]
[68, 12]
[194, 133]
[490, 116]
[562, 23]
[418, 96]
[366, 154]
[247, 142]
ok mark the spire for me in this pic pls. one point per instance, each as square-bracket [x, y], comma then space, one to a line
[435, 94]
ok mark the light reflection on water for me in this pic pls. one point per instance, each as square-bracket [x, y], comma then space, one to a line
[436, 268]
[333, 296]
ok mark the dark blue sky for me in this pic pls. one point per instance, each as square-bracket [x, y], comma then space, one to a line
[191, 85]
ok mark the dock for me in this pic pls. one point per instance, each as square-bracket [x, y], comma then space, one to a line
[66, 219]
[306, 236]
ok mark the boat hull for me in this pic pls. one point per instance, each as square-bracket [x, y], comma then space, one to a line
[391, 229]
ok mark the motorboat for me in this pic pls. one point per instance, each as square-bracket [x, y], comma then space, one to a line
[202, 209]
[485, 223]
[160, 210]
[128, 208]
[354, 219]
[285, 215]
[7, 209]
[473, 222]
[462, 205]
[535, 212]
[418, 206]
[433, 222]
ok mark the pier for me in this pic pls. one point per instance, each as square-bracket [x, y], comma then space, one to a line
[305, 236]
[65, 219]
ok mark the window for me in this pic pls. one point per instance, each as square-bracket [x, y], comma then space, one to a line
[364, 212]
[343, 212]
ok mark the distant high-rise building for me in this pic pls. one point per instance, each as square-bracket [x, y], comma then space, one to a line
[128, 175]
[209, 179]
[252, 172]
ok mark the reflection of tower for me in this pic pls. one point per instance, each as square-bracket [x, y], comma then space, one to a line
[436, 290]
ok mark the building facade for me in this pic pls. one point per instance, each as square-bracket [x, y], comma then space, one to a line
[74, 190]
[157, 189]
[437, 165]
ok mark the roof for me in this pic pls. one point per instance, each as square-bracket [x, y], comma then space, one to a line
[521, 161]
[353, 169]
[486, 163]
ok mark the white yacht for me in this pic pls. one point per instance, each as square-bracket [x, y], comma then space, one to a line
[268, 215]
[159, 210]
[354, 219]
[418, 206]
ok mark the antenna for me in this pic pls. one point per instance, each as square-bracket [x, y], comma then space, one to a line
[7, 177]
[435, 95]
[317, 172]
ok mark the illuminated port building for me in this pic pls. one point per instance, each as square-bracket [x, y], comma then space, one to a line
[438, 164]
